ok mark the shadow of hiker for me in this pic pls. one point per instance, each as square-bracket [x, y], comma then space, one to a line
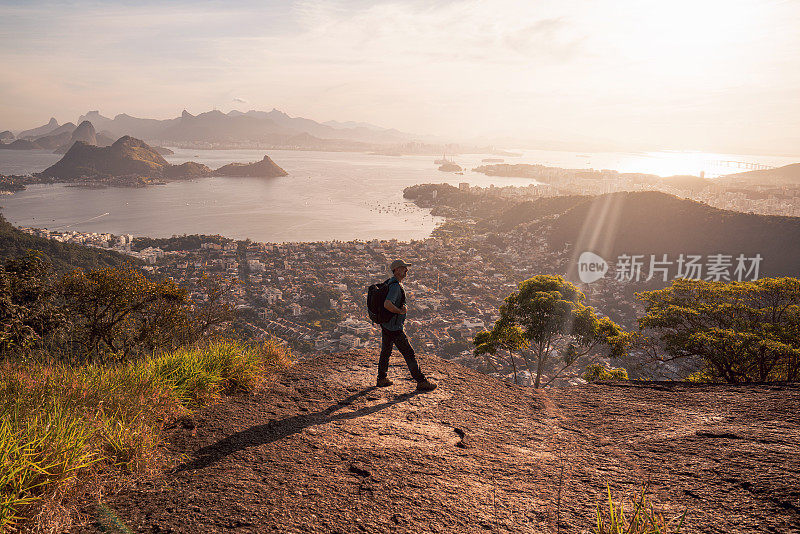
[282, 428]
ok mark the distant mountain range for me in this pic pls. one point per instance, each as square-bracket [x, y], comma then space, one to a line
[235, 129]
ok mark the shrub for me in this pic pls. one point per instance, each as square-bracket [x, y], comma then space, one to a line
[598, 371]
[101, 315]
[703, 376]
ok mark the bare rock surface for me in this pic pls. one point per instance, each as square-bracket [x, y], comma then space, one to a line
[321, 450]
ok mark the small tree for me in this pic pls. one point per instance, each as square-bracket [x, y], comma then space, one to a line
[742, 331]
[545, 318]
[27, 310]
[499, 345]
[121, 311]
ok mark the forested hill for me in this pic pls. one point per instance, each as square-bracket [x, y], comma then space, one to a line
[632, 223]
[657, 223]
[64, 256]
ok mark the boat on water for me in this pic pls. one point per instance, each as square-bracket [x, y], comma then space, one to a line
[443, 160]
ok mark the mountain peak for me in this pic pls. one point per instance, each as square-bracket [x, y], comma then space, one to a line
[278, 112]
[186, 115]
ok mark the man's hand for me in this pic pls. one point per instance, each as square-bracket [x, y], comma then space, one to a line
[392, 308]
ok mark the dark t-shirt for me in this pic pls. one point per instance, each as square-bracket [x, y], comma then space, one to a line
[395, 296]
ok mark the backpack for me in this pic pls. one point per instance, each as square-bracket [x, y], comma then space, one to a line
[376, 296]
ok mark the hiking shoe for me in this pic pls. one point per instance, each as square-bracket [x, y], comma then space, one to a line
[384, 382]
[425, 385]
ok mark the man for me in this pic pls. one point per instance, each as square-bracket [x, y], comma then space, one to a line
[392, 331]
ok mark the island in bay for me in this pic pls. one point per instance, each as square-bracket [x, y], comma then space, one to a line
[131, 162]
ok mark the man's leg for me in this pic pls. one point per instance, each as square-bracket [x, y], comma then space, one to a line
[401, 341]
[386, 350]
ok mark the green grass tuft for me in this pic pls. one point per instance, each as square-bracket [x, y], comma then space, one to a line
[63, 427]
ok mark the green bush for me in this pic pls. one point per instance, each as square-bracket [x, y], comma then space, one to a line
[598, 371]
[63, 426]
[703, 376]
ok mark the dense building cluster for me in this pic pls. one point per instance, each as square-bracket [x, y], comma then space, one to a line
[454, 289]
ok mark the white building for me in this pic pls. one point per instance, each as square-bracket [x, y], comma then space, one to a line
[349, 341]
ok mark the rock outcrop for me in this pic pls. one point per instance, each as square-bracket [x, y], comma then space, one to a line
[323, 450]
[127, 156]
[84, 133]
[266, 168]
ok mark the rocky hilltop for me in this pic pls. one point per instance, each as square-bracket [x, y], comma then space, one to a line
[84, 133]
[266, 168]
[321, 450]
[190, 169]
[127, 156]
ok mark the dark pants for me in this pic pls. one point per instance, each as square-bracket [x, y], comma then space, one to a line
[397, 338]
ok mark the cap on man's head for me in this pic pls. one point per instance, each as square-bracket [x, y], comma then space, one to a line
[398, 263]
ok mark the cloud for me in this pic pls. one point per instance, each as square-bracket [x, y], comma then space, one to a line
[627, 70]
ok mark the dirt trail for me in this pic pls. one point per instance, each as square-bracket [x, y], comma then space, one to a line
[322, 451]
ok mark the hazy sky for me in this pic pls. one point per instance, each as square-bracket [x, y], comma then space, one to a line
[678, 74]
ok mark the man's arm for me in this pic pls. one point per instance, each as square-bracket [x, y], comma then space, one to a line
[392, 308]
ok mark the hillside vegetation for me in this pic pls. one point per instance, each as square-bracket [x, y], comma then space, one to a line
[657, 223]
[15, 243]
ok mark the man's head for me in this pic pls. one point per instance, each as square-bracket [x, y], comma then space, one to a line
[399, 269]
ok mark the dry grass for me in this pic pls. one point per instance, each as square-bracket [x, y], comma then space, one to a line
[641, 517]
[64, 429]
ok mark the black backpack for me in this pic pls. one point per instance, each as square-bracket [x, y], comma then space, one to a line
[376, 296]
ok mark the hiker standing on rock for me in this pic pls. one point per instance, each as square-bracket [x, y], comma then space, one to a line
[392, 331]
